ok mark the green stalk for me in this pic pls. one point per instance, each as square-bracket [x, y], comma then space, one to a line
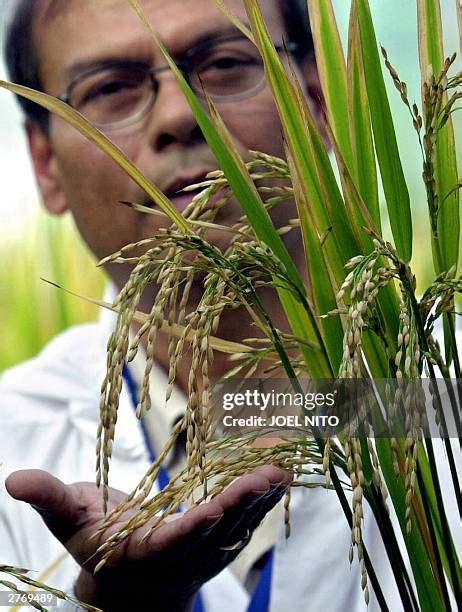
[450, 334]
[349, 517]
[395, 557]
[444, 524]
[388, 535]
[453, 344]
[432, 463]
[454, 405]
[407, 282]
[426, 479]
[422, 568]
[454, 476]
[449, 330]
[431, 528]
[447, 444]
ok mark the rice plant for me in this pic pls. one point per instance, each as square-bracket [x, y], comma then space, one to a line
[358, 316]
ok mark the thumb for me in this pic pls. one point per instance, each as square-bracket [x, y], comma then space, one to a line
[58, 504]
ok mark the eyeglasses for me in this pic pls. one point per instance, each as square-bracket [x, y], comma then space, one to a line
[118, 94]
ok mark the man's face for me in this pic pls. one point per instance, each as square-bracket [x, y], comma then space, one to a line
[167, 144]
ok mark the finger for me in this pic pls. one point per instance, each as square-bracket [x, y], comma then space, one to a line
[196, 525]
[59, 505]
[253, 486]
[248, 500]
[174, 535]
[244, 504]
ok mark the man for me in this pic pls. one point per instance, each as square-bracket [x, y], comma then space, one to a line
[49, 406]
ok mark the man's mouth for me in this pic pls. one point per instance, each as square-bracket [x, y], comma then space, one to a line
[179, 198]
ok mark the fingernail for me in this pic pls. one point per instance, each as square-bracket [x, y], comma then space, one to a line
[256, 497]
[211, 523]
[277, 492]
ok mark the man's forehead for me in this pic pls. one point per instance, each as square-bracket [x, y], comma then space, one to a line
[48, 10]
[68, 33]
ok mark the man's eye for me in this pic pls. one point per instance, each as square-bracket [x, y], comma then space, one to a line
[109, 88]
[225, 63]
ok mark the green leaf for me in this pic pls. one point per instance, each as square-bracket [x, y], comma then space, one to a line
[394, 184]
[364, 167]
[234, 19]
[431, 56]
[446, 240]
[320, 276]
[359, 217]
[332, 71]
[307, 150]
[313, 170]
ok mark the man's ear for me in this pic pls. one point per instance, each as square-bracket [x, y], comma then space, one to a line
[314, 94]
[45, 167]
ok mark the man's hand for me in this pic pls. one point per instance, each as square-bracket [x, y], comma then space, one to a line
[163, 572]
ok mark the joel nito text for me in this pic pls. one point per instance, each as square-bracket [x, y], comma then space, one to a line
[280, 420]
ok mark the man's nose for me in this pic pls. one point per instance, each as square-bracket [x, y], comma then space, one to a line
[172, 120]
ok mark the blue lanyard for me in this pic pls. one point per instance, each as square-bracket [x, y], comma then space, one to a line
[163, 477]
[261, 596]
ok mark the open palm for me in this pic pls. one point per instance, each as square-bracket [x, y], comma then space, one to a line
[164, 571]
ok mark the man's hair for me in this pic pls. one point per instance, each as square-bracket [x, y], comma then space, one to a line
[23, 65]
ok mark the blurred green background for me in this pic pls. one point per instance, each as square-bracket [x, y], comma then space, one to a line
[34, 245]
[32, 311]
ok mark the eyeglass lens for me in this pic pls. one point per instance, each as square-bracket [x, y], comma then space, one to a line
[117, 93]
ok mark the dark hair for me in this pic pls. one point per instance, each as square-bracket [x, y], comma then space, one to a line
[22, 60]
[295, 14]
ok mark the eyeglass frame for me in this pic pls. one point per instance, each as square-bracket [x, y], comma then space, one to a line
[184, 66]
